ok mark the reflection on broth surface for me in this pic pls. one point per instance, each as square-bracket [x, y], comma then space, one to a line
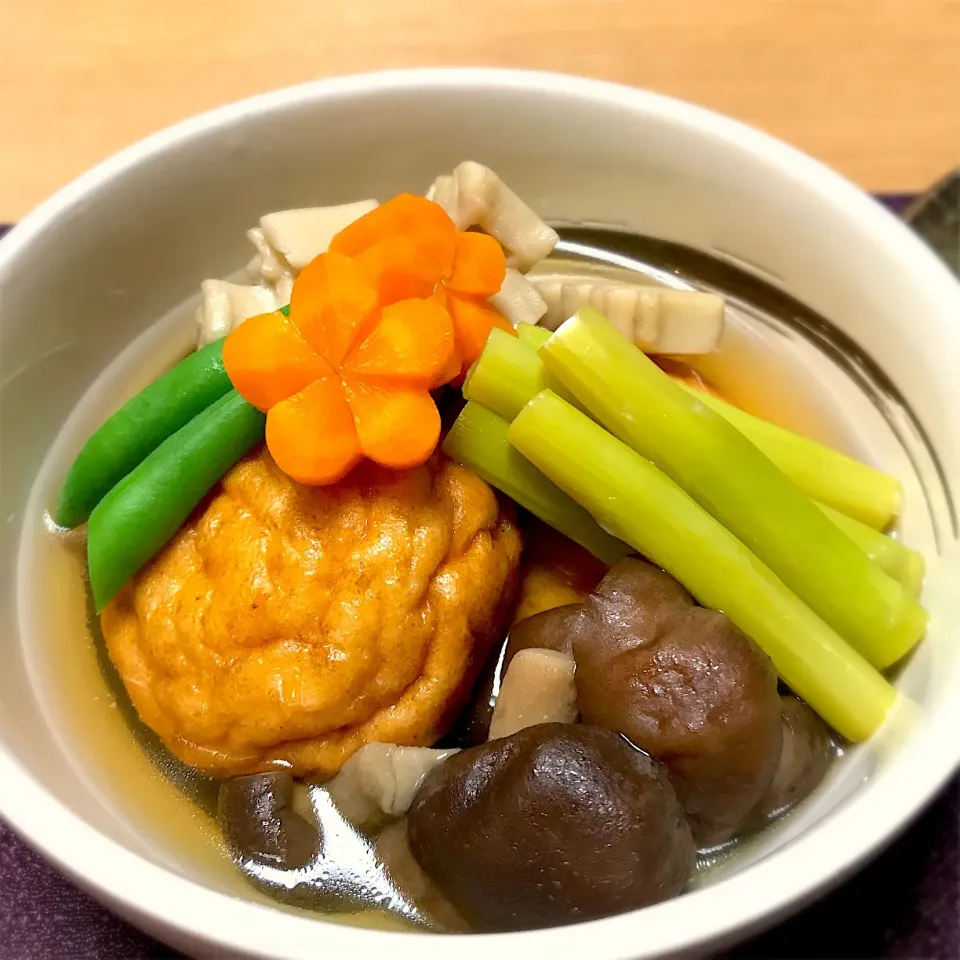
[238, 640]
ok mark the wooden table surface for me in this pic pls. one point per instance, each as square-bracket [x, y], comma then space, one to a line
[870, 86]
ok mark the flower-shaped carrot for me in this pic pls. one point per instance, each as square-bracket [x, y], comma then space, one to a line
[409, 247]
[346, 376]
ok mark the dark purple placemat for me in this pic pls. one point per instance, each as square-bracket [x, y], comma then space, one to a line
[904, 905]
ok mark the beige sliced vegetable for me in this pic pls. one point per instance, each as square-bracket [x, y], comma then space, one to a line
[380, 781]
[656, 319]
[301, 235]
[226, 305]
[538, 687]
[442, 191]
[269, 265]
[474, 196]
[286, 241]
[518, 299]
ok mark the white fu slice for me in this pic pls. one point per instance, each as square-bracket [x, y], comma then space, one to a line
[380, 781]
[656, 319]
[285, 241]
[474, 196]
[302, 235]
[518, 299]
[538, 687]
[226, 305]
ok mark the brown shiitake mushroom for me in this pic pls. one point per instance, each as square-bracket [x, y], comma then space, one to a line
[685, 685]
[555, 824]
[804, 760]
[261, 824]
[315, 859]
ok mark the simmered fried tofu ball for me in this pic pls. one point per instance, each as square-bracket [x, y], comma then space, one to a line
[286, 626]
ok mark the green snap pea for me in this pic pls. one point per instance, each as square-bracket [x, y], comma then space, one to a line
[138, 428]
[133, 522]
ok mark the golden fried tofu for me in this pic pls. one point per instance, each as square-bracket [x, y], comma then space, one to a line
[555, 571]
[287, 625]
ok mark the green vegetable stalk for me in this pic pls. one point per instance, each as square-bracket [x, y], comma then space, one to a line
[737, 484]
[829, 476]
[146, 508]
[533, 336]
[638, 503]
[507, 374]
[138, 428]
[478, 440]
[897, 559]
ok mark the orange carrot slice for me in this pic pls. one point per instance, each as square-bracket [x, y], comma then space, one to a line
[479, 265]
[412, 342]
[451, 370]
[267, 360]
[440, 296]
[397, 270]
[423, 220]
[398, 426]
[333, 304]
[472, 321]
[312, 436]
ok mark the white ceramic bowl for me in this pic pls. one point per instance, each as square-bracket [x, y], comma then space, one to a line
[98, 263]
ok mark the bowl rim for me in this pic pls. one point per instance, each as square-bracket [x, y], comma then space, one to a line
[192, 915]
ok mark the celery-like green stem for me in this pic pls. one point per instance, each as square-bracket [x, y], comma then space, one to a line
[533, 336]
[638, 503]
[736, 483]
[478, 440]
[829, 476]
[507, 374]
[897, 559]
